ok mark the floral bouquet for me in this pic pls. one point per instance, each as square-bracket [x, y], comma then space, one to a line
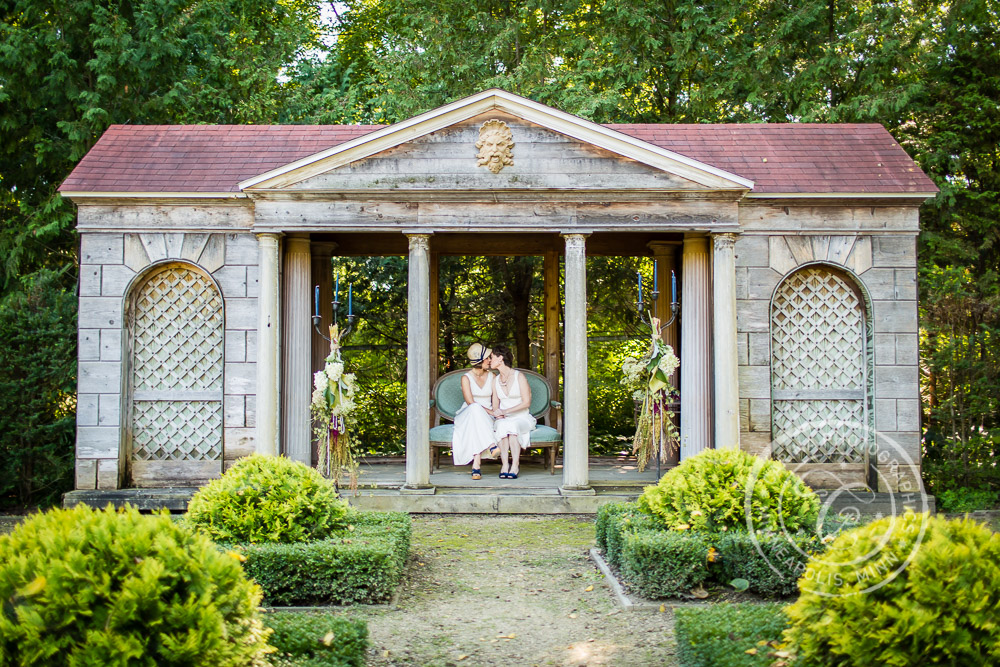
[649, 378]
[331, 408]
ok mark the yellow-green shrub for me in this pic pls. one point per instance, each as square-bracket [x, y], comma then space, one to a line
[719, 489]
[267, 499]
[940, 608]
[85, 587]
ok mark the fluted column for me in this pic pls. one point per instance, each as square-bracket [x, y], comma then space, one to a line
[297, 349]
[268, 322]
[727, 382]
[696, 399]
[576, 473]
[418, 370]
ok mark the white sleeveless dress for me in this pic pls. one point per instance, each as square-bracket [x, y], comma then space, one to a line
[473, 424]
[519, 423]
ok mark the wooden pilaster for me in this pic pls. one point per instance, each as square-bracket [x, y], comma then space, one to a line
[551, 357]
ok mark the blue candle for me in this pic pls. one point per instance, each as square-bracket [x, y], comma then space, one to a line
[639, 276]
[317, 300]
[336, 290]
[350, 307]
[654, 275]
[673, 287]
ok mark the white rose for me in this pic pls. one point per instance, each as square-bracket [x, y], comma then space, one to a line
[318, 398]
[320, 381]
[349, 383]
[334, 370]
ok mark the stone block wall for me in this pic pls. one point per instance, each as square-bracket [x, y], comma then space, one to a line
[109, 265]
[879, 247]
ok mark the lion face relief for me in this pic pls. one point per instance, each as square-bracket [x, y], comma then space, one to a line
[496, 146]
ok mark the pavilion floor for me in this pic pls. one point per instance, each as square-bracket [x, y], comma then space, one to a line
[535, 491]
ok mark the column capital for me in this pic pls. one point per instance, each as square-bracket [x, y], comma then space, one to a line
[583, 234]
[297, 244]
[421, 241]
[263, 237]
[725, 241]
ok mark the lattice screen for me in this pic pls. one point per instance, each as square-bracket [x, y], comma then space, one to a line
[177, 344]
[818, 370]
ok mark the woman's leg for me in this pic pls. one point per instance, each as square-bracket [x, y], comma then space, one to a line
[504, 451]
[515, 454]
[477, 461]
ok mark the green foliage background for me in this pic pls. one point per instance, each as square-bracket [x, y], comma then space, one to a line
[928, 70]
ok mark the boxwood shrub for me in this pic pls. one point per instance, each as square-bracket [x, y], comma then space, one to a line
[361, 564]
[317, 640]
[267, 499]
[720, 635]
[86, 587]
[910, 590]
[725, 489]
[663, 563]
[771, 563]
[660, 562]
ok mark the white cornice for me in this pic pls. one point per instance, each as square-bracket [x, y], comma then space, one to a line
[488, 100]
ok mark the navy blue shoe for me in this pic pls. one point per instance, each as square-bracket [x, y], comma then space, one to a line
[512, 475]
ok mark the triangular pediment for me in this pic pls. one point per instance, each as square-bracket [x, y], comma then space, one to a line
[552, 150]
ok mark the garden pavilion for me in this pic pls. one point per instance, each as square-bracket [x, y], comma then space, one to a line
[794, 247]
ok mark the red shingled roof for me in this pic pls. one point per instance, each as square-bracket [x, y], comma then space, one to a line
[779, 158]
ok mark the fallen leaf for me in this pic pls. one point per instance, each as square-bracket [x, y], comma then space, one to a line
[328, 638]
[699, 593]
[782, 654]
[385, 653]
[751, 651]
[588, 588]
[713, 555]
[350, 528]
[573, 615]
[511, 636]
[740, 584]
[462, 657]
[663, 608]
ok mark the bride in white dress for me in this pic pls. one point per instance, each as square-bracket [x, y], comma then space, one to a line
[511, 407]
[473, 435]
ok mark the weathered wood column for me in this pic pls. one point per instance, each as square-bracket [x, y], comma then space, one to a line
[696, 398]
[297, 351]
[268, 343]
[418, 386]
[322, 275]
[727, 381]
[665, 254]
[576, 450]
[551, 359]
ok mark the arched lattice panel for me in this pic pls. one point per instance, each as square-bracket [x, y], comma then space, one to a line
[819, 369]
[176, 343]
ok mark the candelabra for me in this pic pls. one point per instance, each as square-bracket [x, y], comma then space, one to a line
[647, 316]
[317, 319]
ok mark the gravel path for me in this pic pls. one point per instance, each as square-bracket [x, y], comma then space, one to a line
[510, 591]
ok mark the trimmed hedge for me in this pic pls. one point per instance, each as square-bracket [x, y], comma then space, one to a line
[657, 562]
[769, 562]
[662, 563]
[720, 635]
[362, 565]
[315, 640]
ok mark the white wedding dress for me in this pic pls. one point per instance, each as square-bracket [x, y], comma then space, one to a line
[519, 423]
[473, 424]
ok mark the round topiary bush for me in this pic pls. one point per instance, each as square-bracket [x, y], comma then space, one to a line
[910, 590]
[86, 587]
[268, 499]
[719, 489]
